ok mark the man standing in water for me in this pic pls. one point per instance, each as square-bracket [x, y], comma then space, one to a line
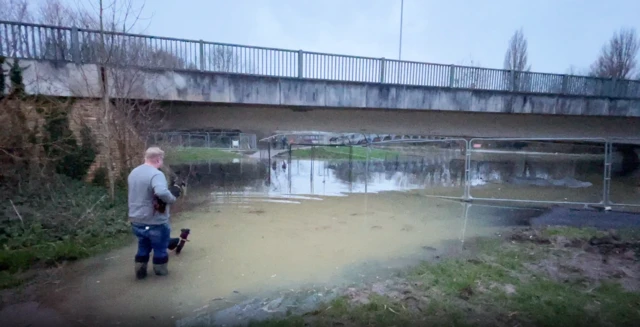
[149, 225]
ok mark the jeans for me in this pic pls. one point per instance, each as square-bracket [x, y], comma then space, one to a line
[152, 237]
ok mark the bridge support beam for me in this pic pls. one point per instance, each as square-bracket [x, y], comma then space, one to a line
[267, 119]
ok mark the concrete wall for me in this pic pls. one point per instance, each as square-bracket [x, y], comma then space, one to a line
[68, 79]
[264, 120]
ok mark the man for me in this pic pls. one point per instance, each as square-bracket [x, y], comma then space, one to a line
[148, 224]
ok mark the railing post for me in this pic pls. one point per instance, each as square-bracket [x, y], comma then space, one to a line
[565, 84]
[300, 63]
[202, 61]
[383, 63]
[513, 80]
[75, 45]
[452, 74]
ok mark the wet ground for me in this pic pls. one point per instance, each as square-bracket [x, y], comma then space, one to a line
[303, 226]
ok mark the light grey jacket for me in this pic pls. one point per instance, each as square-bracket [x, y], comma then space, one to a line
[144, 182]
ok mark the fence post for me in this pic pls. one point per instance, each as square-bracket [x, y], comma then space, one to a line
[300, 63]
[382, 68]
[75, 45]
[608, 146]
[565, 84]
[452, 73]
[467, 170]
[202, 62]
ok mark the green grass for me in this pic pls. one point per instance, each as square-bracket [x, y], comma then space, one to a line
[629, 234]
[64, 220]
[494, 286]
[573, 232]
[326, 152]
[182, 155]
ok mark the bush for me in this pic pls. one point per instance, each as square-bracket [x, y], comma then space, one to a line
[65, 219]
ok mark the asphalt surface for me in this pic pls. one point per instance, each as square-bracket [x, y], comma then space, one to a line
[587, 218]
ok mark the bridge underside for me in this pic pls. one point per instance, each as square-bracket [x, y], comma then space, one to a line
[264, 120]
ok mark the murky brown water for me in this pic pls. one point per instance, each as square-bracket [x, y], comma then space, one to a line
[260, 247]
[286, 224]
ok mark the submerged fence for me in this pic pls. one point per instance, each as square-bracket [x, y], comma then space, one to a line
[217, 140]
[80, 45]
[496, 169]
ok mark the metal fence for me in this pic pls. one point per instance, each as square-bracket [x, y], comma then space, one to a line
[221, 140]
[72, 44]
[616, 193]
[594, 158]
[483, 169]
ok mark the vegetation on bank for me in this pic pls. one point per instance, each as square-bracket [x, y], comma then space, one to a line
[66, 220]
[50, 212]
[556, 277]
[341, 152]
[176, 155]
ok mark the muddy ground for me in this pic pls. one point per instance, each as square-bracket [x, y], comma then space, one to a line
[524, 277]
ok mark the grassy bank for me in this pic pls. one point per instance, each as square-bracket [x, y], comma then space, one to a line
[182, 155]
[63, 220]
[553, 277]
[325, 152]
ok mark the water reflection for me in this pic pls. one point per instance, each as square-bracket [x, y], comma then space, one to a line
[440, 173]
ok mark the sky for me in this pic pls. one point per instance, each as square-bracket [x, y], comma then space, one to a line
[560, 33]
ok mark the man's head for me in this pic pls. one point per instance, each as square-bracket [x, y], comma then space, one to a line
[154, 156]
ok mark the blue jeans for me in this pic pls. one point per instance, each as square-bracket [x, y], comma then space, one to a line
[152, 237]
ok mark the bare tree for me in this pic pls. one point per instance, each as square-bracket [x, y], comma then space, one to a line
[106, 105]
[221, 58]
[468, 75]
[516, 57]
[618, 58]
[16, 10]
[516, 62]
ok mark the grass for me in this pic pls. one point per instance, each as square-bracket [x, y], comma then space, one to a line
[496, 285]
[64, 220]
[326, 152]
[181, 155]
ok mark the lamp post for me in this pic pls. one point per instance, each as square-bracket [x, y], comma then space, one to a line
[401, 18]
[398, 66]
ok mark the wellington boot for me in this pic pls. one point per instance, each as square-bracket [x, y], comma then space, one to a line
[161, 270]
[141, 270]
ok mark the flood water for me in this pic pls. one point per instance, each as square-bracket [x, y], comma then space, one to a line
[268, 225]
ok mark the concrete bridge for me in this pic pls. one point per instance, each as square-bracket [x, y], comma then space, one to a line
[260, 90]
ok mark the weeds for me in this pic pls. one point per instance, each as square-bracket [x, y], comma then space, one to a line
[63, 220]
[501, 283]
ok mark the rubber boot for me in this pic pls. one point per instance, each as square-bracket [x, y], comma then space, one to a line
[141, 270]
[161, 270]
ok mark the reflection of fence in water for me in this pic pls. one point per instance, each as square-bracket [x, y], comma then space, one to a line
[538, 170]
[434, 170]
[541, 165]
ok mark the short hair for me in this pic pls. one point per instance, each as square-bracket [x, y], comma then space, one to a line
[153, 153]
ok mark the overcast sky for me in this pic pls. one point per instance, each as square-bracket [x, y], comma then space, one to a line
[560, 33]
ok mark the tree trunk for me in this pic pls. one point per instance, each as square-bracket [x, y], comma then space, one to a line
[106, 107]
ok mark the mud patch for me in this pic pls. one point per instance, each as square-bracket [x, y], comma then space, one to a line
[30, 314]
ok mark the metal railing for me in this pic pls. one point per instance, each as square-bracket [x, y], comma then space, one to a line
[79, 45]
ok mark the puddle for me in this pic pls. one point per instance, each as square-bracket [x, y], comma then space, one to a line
[263, 227]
